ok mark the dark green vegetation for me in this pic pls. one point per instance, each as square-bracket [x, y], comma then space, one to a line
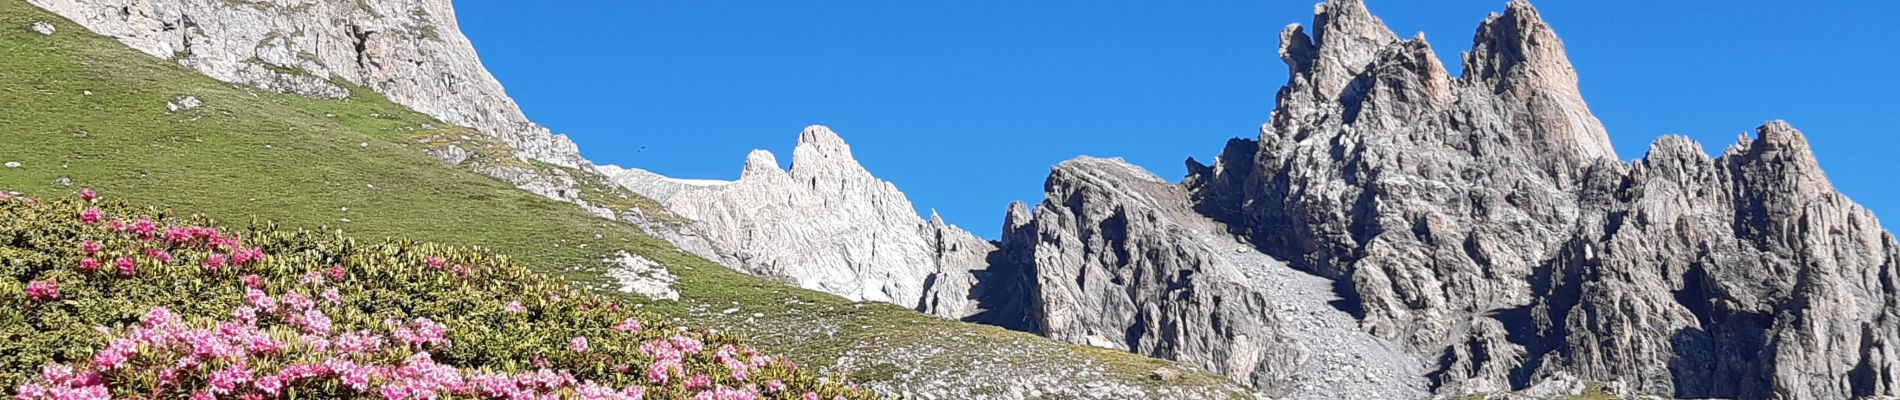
[250, 155]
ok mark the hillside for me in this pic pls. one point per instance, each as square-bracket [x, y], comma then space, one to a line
[83, 110]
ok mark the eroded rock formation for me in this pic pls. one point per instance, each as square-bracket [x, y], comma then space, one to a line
[826, 224]
[1484, 222]
[1119, 258]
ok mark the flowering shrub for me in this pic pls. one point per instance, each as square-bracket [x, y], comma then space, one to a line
[111, 302]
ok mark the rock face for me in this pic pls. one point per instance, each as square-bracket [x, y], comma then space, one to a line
[1119, 258]
[827, 224]
[1484, 223]
[413, 52]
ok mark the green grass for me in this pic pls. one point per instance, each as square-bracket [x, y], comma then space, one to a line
[251, 154]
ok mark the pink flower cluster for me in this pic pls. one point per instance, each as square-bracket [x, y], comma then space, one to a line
[160, 248]
[421, 332]
[281, 341]
[43, 290]
[243, 359]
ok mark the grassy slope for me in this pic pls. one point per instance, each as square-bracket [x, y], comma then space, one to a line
[250, 154]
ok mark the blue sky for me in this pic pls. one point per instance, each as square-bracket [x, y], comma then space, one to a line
[966, 105]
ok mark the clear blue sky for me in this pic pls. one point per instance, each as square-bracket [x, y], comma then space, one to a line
[966, 105]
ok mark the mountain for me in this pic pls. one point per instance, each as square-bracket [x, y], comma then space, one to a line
[1482, 228]
[1116, 257]
[86, 110]
[827, 225]
[1393, 230]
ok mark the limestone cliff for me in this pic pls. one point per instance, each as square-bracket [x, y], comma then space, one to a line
[826, 224]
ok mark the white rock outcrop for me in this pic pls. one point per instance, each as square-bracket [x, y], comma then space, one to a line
[826, 224]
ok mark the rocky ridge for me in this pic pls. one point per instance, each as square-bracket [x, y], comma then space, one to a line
[1119, 258]
[1483, 222]
[826, 224]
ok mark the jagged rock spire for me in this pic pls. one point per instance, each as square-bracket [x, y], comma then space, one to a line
[1345, 38]
[1520, 58]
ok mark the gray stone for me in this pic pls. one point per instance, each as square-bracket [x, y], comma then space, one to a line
[1116, 257]
[43, 27]
[639, 275]
[183, 103]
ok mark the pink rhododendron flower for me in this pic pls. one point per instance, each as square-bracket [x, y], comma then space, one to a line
[159, 317]
[261, 300]
[297, 302]
[215, 261]
[514, 307]
[270, 385]
[116, 225]
[227, 380]
[91, 216]
[335, 273]
[145, 228]
[630, 325]
[420, 332]
[578, 344]
[434, 262]
[359, 342]
[247, 256]
[163, 257]
[115, 354]
[253, 281]
[89, 265]
[332, 296]
[246, 315]
[699, 382]
[91, 247]
[87, 194]
[126, 266]
[42, 290]
[178, 235]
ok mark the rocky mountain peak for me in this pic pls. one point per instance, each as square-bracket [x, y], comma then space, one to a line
[1779, 157]
[1519, 57]
[1517, 41]
[826, 224]
[822, 159]
[1345, 38]
[760, 164]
